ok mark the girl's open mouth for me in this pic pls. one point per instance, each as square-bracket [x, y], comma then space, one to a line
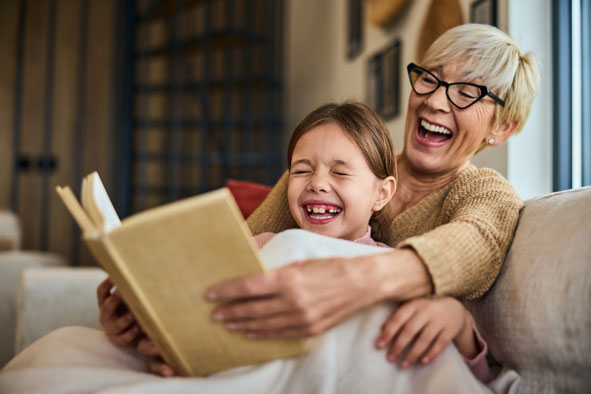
[321, 213]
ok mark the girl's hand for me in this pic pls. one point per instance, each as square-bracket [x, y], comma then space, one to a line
[154, 360]
[308, 297]
[426, 326]
[117, 321]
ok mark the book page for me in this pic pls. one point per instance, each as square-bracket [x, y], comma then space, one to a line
[97, 203]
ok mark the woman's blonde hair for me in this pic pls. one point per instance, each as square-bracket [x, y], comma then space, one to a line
[490, 56]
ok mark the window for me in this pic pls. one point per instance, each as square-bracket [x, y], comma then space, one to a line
[572, 94]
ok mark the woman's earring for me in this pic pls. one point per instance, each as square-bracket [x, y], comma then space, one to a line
[491, 141]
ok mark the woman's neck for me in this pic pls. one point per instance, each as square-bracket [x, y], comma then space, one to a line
[412, 185]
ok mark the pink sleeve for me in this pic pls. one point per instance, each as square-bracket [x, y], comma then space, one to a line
[262, 239]
[478, 364]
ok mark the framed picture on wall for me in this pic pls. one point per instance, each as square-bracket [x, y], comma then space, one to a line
[390, 107]
[484, 11]
[383, 82]
[355, 28]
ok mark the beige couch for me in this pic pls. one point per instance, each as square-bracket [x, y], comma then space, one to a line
[13, 262]
[536, 318]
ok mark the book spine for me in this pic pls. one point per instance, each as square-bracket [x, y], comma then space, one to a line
[108, 258]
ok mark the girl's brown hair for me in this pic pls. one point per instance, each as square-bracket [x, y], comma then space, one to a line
[362, 125]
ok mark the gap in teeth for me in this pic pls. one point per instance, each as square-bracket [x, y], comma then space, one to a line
[322, 210]
[434, 128]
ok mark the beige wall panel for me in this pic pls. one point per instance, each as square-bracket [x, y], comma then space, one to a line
[31, 142]
[8, 48]
[98, 146]
[65, 111]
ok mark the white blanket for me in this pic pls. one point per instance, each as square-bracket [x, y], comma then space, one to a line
[344, 360]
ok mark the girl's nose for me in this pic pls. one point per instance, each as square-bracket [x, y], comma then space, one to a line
[319, 183]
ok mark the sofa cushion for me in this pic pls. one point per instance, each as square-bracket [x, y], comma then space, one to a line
[52, 298]
[248, 195]
[12, 264]
[537, 316]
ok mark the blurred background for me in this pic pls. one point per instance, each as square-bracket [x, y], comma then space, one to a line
[171, 98]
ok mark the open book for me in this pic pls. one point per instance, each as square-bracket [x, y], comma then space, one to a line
[162, 260]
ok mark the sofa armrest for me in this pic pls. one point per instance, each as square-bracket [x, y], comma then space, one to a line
[52, 298]
[12, 264]
[10, 231]
[537, 316]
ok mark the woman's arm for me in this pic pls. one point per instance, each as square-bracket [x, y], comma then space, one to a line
[273, 215]
[464, 254]
[308, 297]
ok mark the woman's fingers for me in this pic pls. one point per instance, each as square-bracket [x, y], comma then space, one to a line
[259, 307]
[242, 287]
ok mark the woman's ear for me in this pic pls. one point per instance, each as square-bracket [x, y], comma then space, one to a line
[501, 133]
[386, 190]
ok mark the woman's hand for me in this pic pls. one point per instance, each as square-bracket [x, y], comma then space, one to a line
[117, 321]
[154, 360]
[308, 297]
[426, 326]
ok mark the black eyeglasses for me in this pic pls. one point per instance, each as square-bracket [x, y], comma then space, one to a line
[461, 94]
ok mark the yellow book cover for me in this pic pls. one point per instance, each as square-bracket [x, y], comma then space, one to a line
[162, 260]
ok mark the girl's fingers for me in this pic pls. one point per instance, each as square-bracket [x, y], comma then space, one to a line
[391, 327]
[435, 350]
[419, 345]
[157, 366]
[405, 336]
[147, 349]
[103, 291]
[128, 337]
[122, 323]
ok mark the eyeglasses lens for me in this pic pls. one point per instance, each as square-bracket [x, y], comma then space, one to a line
[460, 94]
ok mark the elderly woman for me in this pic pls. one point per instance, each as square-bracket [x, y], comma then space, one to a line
[450, 222]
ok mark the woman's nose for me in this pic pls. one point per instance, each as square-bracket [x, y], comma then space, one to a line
[438, 100]
[319, 183]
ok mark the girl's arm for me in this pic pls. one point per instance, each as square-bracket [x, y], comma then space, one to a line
[421, 329]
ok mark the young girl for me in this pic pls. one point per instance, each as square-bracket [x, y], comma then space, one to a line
[341, 174]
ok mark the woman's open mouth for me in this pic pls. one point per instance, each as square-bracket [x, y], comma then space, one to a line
[321, 213]
[433, 135]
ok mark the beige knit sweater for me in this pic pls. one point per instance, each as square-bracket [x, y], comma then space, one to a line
[461, 231]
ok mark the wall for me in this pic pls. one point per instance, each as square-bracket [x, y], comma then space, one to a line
[317, 71]
[65, 110]
[529, 158]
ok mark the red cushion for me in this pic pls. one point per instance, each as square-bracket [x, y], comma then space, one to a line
[248, 195]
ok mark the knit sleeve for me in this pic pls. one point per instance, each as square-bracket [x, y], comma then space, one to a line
[273, 214]
[464, 256]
